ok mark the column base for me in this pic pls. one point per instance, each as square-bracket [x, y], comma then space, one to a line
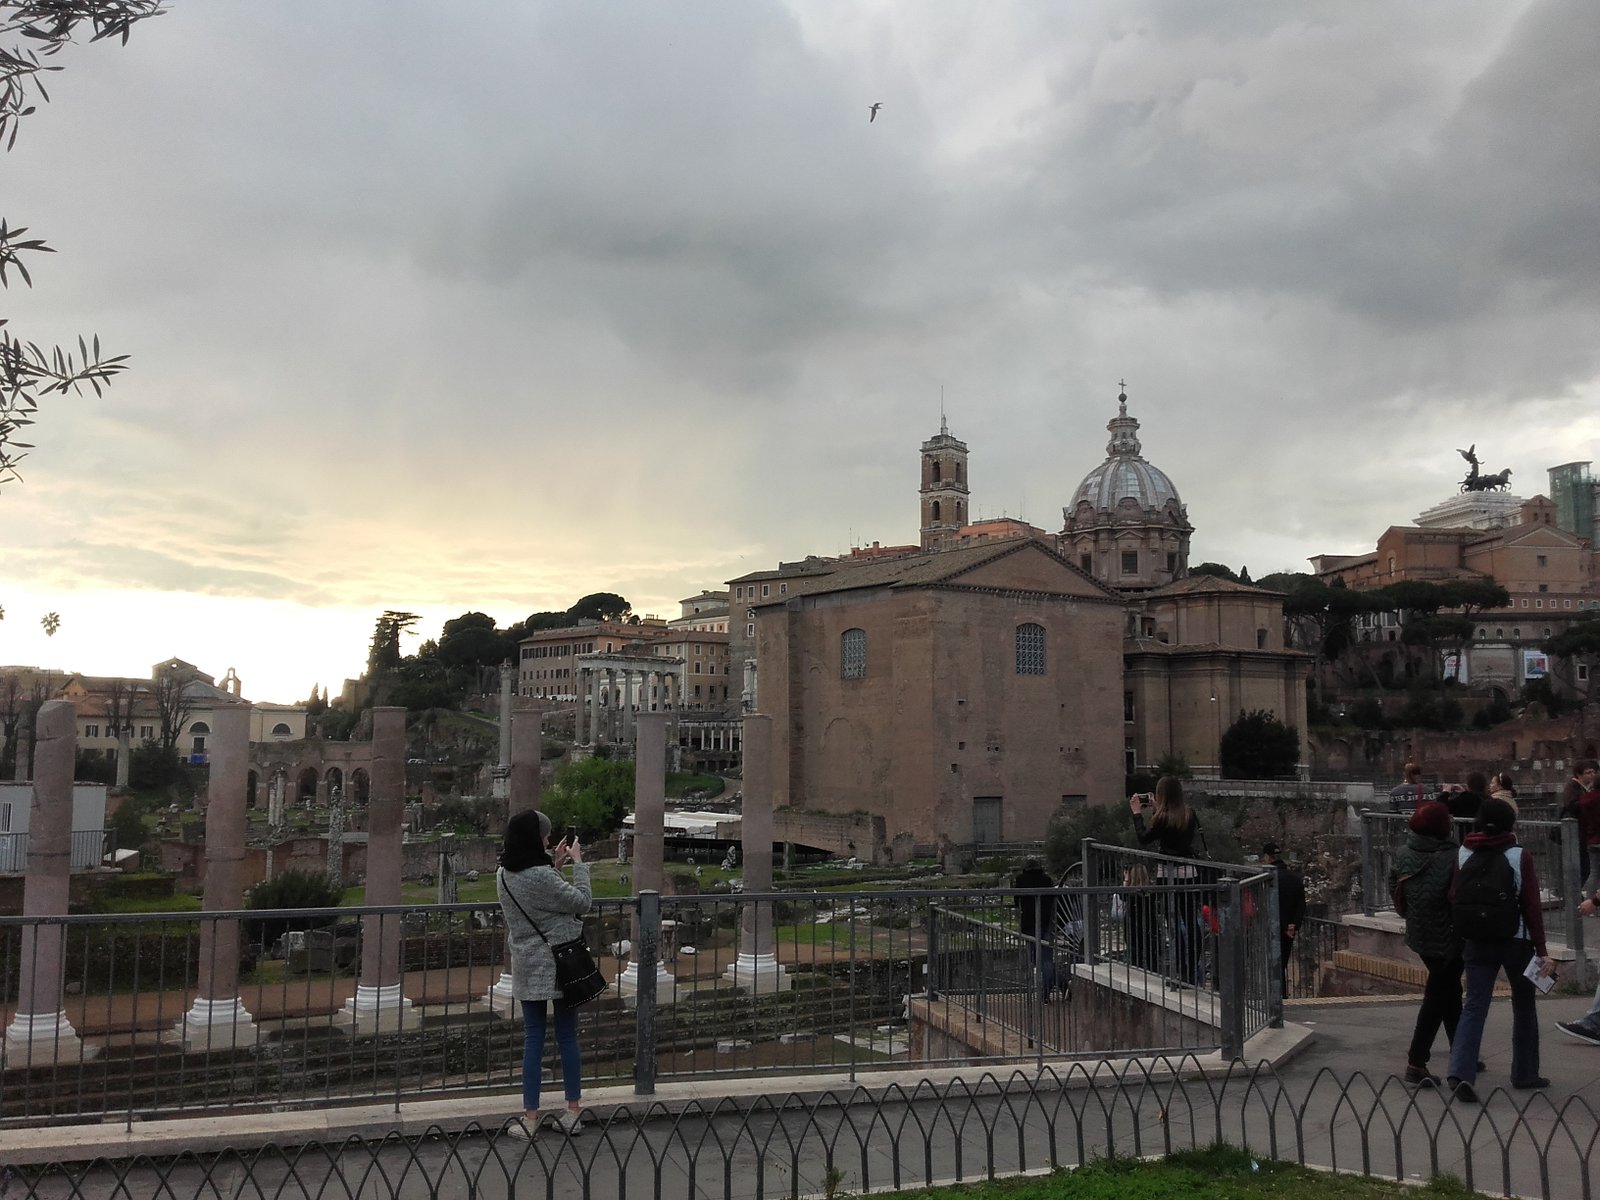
[627, 985]
[500, 998]
[43, 1040]
[382, 1009]
[500, 782]
[215, 1025]
[760, 974]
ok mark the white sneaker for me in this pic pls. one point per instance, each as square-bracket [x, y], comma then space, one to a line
[570, 1123]
[518, 1130]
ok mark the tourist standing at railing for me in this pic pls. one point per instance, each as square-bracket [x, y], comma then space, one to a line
[1291, 909]
[542, 910]
[1036, 919]
[1407, 795]
[1419, 881]
[1174, 828]
[1581, 802]
[1587, 1027]
[1141, 919]
[1490, 861]
[1465, 802]
[1503, 787]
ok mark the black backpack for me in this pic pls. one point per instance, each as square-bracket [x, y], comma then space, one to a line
[1487, 907]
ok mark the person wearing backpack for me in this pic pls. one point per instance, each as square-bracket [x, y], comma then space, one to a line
[1419, 881]
[1496, 912]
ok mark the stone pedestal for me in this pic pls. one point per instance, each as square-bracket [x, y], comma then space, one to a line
[214, 1025]
[377, 1008]
[627, 984]
[43, 1040]
[756, 967]
[760, 974]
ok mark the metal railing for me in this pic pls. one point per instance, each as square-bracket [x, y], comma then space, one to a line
[1554, 846]
[88, 850]
[1213, 926]
[347, 1005]
[857, 1140]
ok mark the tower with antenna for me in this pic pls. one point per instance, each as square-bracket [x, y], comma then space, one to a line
[944, 487]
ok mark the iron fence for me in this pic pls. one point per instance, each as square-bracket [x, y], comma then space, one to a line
[1553, 846]
[87, 850]
[346, 1005]
[859, 1139]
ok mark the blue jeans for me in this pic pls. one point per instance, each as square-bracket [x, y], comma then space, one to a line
[1485, 960]
[533, 1021]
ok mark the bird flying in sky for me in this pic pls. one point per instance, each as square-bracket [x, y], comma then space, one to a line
[872, 113]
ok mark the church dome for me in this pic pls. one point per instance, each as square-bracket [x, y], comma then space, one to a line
[1125, 475]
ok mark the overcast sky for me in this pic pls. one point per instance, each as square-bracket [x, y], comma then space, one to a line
[487, 305]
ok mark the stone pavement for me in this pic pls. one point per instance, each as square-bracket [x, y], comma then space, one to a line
[1329, 1100]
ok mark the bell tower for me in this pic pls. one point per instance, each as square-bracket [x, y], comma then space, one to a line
[944, 487]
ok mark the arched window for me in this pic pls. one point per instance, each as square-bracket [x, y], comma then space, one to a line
[199, 727]
[935, 510]
[936, 470]
[853, 654]
[281, 731]
[958, 470]
[1030, 649]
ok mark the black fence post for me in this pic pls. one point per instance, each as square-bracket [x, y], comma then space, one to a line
[1369, 882]
[645, 955]
[1231, 975]
[1279, 982]
[1572, 894]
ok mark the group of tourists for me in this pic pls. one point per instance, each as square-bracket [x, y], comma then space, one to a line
[1472, 911]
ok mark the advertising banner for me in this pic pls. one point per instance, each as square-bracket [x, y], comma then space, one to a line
[1535, 664]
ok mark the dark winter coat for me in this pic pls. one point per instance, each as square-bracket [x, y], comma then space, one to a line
[1033, 911]
[1430, 924]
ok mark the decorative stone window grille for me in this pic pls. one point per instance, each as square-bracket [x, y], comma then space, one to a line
[853, 654]
[1030, 649]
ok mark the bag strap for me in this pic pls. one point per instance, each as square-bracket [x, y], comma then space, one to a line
[520, 909]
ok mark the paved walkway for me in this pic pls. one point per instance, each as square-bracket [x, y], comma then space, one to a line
[1330, 1100]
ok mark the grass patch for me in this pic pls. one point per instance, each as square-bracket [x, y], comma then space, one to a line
[178, 902]
[1216, 1173]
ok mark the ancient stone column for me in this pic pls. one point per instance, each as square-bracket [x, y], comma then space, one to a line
[581, 691]
[756, 967]
[527, 753]
[218, 1019]
[379, 1002]
[649, 828]
[597, 728]
[40, 1033]
[502, 771]
[627, 706]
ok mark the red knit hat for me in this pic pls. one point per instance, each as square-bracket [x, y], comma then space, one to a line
[1432, 818]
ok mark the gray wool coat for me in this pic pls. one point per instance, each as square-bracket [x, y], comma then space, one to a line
[556, 905]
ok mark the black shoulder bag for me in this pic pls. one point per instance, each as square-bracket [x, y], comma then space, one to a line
[579, 979]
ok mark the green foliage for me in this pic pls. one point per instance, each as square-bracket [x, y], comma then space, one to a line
[600, 606]
[1175, 765]
[152, 766]
[1367, 713]
[90, 766]
[383, 654]
[292, 889]
[336, 725]
[1216, 570]
[1063, 837]
[1579, 642]
[1540, 691]
[1259, 746]
[592, 793]
[128, 831]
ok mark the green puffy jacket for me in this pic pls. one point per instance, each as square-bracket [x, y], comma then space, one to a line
[1429, 861]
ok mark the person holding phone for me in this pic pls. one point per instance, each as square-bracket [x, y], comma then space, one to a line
[537, 900]
[1173, 828]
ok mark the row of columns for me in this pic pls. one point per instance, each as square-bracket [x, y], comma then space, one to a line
[598, 722]
[40, 1032]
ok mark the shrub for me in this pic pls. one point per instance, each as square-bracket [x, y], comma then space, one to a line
[1259, 746]
[292, 889]
[1367, 713]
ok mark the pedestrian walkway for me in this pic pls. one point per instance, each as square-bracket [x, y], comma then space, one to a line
[1320, 1091]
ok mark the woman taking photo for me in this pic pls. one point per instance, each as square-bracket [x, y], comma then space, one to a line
[1419, 881]
[1173, 828]
[542, 910]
